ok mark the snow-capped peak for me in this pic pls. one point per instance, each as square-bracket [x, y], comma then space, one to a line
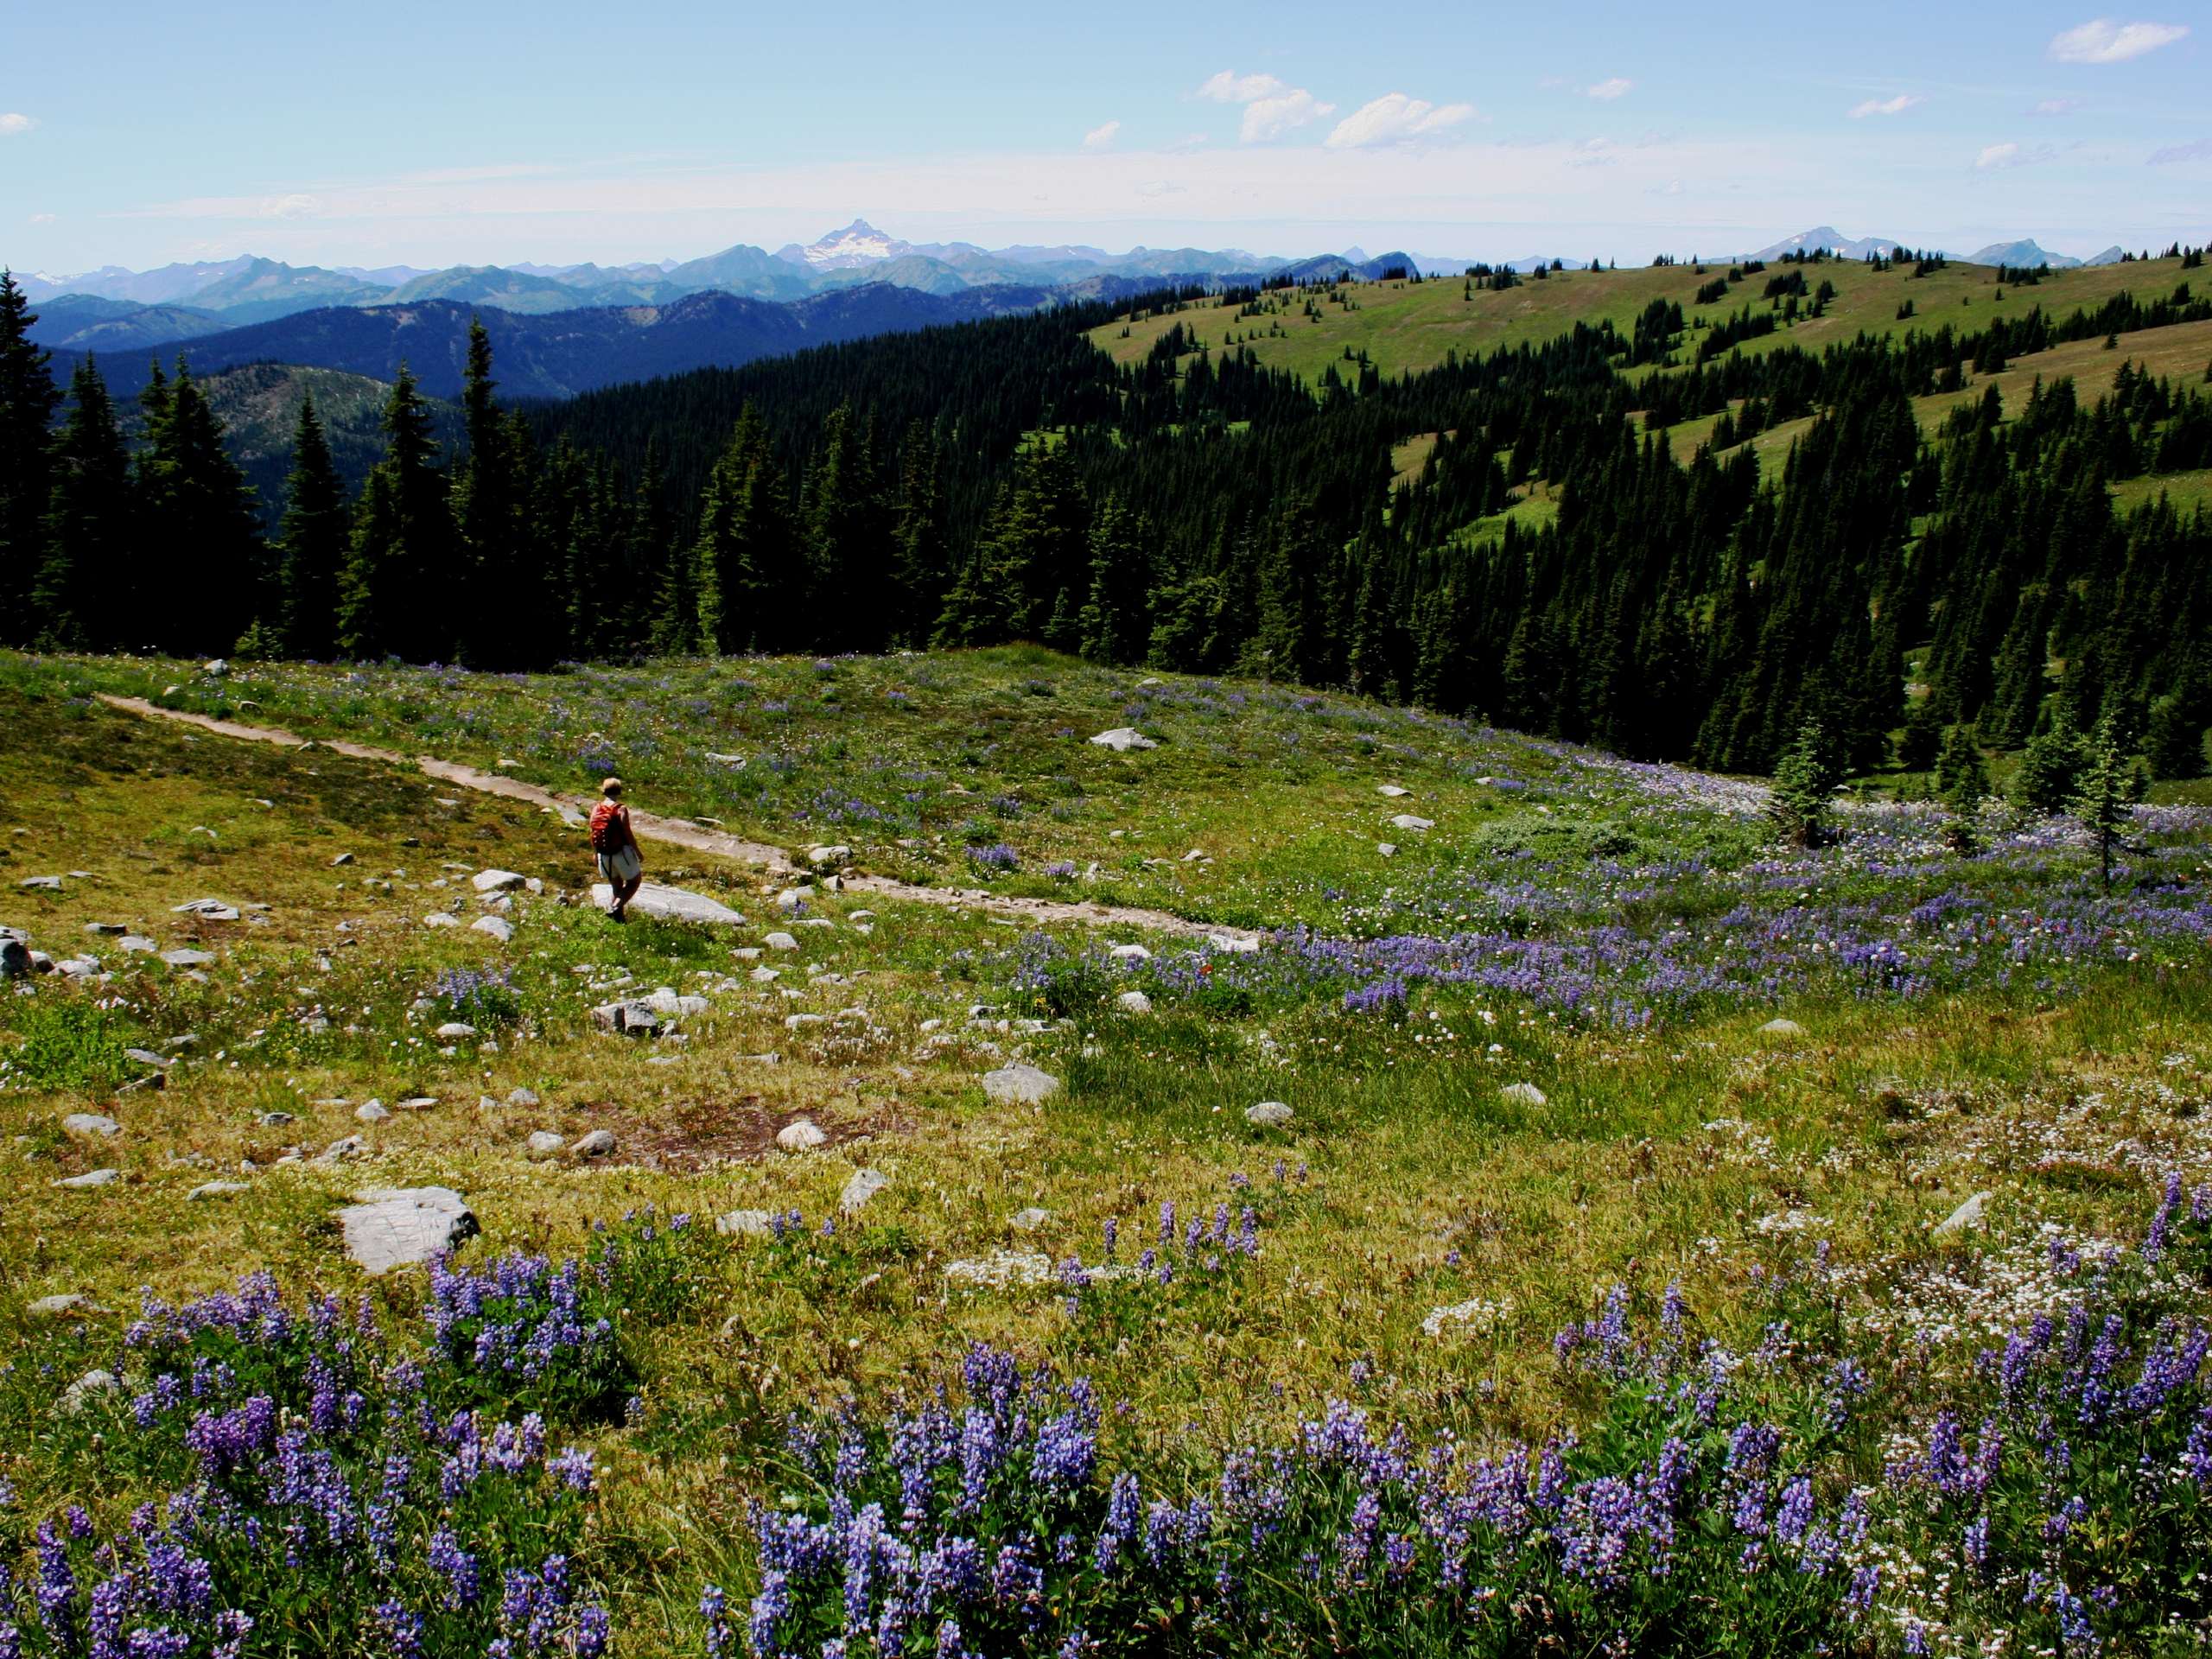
[859, 243]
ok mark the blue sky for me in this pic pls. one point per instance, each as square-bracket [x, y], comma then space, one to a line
[429, 135]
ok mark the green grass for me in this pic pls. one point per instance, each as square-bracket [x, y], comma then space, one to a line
[1408, 1181]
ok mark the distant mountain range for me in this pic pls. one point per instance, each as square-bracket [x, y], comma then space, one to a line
[2025, 253]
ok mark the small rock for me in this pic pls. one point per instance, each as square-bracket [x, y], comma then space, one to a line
[829, 857]
[342, 859]
[1522, 1094]
[1130, 952]
[1029, 1220]
[864, 1185]
[93, 1124]
[1020, 1084]
[82, 1391]
[1968, 1214]
[1122, 739]
[1392, 792]
[1268, 1114]
[440, 919]
[1387, 848]
[178, 1044]
[41, 884]
[212, 910]
[1133, 1002]
[1782, 1028]
[417, 1104]
[90, 1179]
[86, 967]
[137, 945]
[496, 881]
[801, 1136]
[372, 1111]
[1234, 943]
[454, 1029]
[339, 1151]
[209, 1190]
[58, 1308]
[521, 1096]
[273, 1120]
[187, 958]
[105, 927]
[598, 1144]
[395, 1228]
[215, 668]
[999, 1270]
[544, 1143]
[498, 926]
[745, 1224]
[1408, 821]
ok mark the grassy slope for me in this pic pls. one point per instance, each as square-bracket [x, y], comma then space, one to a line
[1654, 1157]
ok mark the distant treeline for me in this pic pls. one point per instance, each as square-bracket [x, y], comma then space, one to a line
[1197, 511]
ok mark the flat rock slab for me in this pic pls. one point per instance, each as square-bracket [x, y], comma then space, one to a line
[212, 910]
[745, 1224]
[90, 1123]
[498, 926]
[1024, 1085]
[1122, 739]
[61, 1307]
[90, 1179]
[544, 1143]
[496, 881]
[187, 958]
[1268, 1114]
[1782, 1028]
[672, 904]
[1408, 821]
[999, 1270]
[864, 1186]
[1523, 1094]
[1968, 1214]
[400, 1226]
[206, 1192]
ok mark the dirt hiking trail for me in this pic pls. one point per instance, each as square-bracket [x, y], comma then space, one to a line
[682, 832]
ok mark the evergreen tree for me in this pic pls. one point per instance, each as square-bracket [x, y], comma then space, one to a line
[2051, 767]
[1804, 782]
[311, 543]
[919, 534]
[87, 526]
[490, 528]
[2176, 738]
[1962, 782]
[743, 567]
[28, 400]
[396, 594]
[200, 575]
[1112, 627]
[2104, 792]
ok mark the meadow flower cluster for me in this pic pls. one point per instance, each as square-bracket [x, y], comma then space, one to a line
[2051, 1494]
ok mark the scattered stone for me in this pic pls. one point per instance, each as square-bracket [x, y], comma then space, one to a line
[598, 1144]
[93, 1124]
[59, 1308]
[522, 1097]
[178, 1044]
[631, 1018]
[1133, 1002]
[454, 1029]
[147, 1056]
[1001, 1269]
[802, 1136]
[41, 884]
[339, 1151]
[187, 958]
[90, 1179]
[544, 1143]
[745, 1224]
[137, 945]
[824, 858]
[1968, 1214]
[1781, 1028]
[800, 1022]
[105, 927]
[441, 918]
[1392, 792]
[765, 976]
[209, 910]
[77, 1394]
[209, 1190]
[215, 668]
[1029, 1220]
[1020, 1084]
[864, 1185]
[1233, 942]
[278, 1120]
[1408, 821]
[666, 1002]
[1523, 1094]
[1130, 952]
[1387, 848]
[342, 859]
[498, 926]
[15, 959]
[417, 1104]
[792, 899]
[1122, 739]
[398, 1227]
[672, 904]
[1268, 1114]
[372, 1111]
[86, 967]
[496, 881]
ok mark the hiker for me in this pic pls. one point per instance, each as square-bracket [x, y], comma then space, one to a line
[619, 861]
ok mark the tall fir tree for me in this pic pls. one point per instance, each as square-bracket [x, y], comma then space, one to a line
[395, 594]
[28, 400]
[311, 541]
[489, 526]
[75, 603]
[201, 574]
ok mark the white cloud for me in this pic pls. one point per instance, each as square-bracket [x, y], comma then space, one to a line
[1610, 90]
[1271, 117]
[1230, 88]
[1271, 109]
[1099, 136]
[1394, 118]
[295, 206]
[12, 124]
[2056, 106]
[1897, 106]
[2103, 40]
[1997, 155]
[2197, 150]
[41, 219]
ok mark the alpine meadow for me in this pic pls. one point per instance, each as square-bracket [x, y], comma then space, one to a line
[1338, 954]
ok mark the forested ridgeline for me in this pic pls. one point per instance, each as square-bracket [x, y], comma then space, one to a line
[1197, 510]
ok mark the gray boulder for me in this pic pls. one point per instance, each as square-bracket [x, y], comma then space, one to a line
[496, 881]
[1268, 1114]
[90, 1125]
[1522, 1094]
[1968, 1215]
[90, 1179]
[597, 1144]
[399, 1227]
[544, 1143]
[745, 1224]
[187, 958]
[1020, 1084]
[801, 1136]
[672, 904]
[212, 910]
[207, 1190]
[61, 1307]
[864, 1185]
[1122, 739]
[498, 926]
